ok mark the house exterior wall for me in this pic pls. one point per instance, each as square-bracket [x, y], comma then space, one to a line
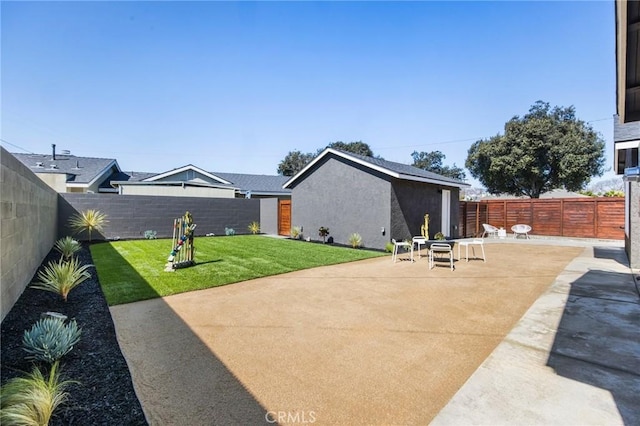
[28, 208]
[410, 201]
[56, 181]
[130, 215]
[626, 140]
[177, 191]
[632, 222]
[186, 176]
[630, 131]
[345, 198]
[269, 216]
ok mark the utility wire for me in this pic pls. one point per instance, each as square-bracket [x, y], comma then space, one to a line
[16, 146]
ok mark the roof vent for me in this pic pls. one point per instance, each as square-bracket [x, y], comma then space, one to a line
[53, 167]
[39, 164]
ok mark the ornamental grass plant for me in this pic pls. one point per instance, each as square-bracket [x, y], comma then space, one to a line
[355, 240]
[31, 400]
[67, 247]
[89, 221]
[62, 277]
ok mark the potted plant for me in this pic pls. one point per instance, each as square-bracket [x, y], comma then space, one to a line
[323, 232]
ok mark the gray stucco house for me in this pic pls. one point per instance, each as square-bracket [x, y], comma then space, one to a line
[378, 199]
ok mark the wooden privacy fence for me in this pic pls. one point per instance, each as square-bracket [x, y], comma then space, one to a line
[601, 217]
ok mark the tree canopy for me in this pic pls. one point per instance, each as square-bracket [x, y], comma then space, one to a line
[432, 161]
[295, 161]
[546, 149]
[357, 147]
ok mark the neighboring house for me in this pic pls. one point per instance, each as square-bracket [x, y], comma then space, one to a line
[67, 173]
[627, 125]
[375, 198]
[192, 181]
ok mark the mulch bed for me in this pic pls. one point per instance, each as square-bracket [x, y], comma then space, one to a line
[104, 394]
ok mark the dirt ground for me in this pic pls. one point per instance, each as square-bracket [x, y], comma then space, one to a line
[369, 342]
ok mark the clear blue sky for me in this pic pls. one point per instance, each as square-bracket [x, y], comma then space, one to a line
[235, 86]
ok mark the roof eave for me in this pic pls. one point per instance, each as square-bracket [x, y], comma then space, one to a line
[371, 166]
[435, 181]
[171, 183]
[184, 168]
[103, 172]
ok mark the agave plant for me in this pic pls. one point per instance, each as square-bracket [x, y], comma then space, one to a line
[67, 247]
[254, 227]
[31, 400]
[355, 240]
[89, 220]
[62, 277]
[50, 339]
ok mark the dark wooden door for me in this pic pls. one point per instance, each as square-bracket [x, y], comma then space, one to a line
[284, 217]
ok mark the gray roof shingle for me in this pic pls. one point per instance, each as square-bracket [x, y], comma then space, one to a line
[404, 169]
[82, 170]
[256, 183]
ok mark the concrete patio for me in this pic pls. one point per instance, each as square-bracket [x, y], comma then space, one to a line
[544, 332]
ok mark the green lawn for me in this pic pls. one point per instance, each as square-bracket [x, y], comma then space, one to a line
[134, 270]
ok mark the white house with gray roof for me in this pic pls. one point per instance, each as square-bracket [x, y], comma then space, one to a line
[193, 181]
[67, 173]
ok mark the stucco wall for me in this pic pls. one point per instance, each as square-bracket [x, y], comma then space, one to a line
[130, 215]
[345, 199]
[269, 216]
[28, 215]
[632, 229]
[57, 181]
[177, 191]
[410, 201]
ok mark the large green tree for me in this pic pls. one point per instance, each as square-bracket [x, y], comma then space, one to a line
[546, 149]
[432, 161]
[357, 147]
[295, 161]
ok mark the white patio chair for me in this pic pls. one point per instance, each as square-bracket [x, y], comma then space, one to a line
[419, 241]
[521, 229]
[396, 245]
[474, 242]
[490, 230]
[440, 249]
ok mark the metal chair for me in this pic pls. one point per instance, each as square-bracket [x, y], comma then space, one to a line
[491, 230]
[440, 249]
[472, 243]
[397, 244]
[419, 241]
[521, 229]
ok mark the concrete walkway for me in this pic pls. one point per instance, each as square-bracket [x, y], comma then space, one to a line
[573, 359]
[378, 343]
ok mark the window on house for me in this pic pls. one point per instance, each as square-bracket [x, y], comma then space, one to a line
[627, 158]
